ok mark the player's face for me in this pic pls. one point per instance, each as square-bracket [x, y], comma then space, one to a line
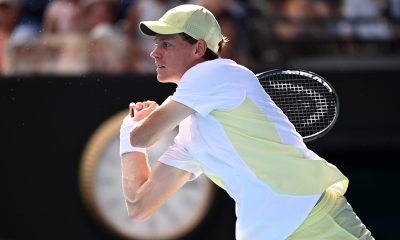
[173, 57]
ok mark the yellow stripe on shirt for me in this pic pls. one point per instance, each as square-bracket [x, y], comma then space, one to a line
[283, 167]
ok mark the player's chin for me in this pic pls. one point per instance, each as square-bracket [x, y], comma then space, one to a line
[162, 78]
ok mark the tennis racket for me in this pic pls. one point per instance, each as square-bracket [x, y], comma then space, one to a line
[307, 99]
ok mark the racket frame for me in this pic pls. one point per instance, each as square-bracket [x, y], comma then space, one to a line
[315, 77]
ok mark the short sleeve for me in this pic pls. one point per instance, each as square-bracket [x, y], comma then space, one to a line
[178, 156]
[211, 86]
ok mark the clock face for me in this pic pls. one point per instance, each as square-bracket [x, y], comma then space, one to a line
[101, 187]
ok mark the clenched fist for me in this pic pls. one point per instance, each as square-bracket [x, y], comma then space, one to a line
[141, 110]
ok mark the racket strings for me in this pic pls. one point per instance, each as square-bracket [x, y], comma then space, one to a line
[309, 105]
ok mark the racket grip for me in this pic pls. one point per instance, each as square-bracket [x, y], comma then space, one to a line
[131, 112]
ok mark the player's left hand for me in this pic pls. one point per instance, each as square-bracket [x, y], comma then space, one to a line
[141, 110]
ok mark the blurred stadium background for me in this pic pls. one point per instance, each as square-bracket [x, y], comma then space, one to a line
[67, 67]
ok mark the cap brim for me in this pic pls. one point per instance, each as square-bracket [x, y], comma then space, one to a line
[152, 28]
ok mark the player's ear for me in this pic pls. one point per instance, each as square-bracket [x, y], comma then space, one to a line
[201, 48]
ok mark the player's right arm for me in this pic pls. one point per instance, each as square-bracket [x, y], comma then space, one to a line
[145, 193]
[159, 122]
[146, 190]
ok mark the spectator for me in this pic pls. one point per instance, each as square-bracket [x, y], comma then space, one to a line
[98, 12]
[107, 53]
[63, 17]
[326, 14]
[363, 19]
[293, 24]
[359, 9]
[64, 55]
[10, 13]
[21, 51]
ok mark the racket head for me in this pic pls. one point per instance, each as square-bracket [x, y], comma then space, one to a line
[307, 99]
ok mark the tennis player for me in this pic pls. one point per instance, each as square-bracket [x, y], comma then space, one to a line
[231, 131]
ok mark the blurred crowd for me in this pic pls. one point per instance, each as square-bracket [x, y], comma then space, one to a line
[102, 36]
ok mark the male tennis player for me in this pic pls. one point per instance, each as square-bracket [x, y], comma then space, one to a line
[230, 130]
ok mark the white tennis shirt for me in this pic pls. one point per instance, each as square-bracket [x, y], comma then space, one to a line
[245, 144]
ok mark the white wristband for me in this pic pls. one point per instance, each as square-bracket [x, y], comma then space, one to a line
[124, 138]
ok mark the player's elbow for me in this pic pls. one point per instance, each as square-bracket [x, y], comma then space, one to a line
[136, 214]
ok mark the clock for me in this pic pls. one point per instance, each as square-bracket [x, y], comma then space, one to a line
[101, 190]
